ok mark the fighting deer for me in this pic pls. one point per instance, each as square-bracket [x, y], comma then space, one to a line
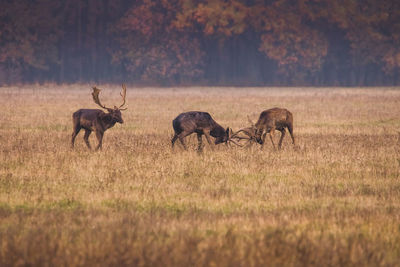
[96, 120]
[200, 123]
[269, 121]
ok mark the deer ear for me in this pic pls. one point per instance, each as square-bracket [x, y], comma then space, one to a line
[228, 131]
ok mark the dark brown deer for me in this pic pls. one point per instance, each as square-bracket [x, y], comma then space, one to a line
[96, 120]
[269, 121]
[200, 123]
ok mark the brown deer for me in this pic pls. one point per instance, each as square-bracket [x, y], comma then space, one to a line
[269, 121]
[96, 120]
[200, 123]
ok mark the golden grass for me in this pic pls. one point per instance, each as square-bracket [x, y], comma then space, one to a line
[333, 201]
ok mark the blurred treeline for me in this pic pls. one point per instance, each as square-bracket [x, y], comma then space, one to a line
[214, 42]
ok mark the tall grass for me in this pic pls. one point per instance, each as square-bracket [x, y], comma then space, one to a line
[333, 201]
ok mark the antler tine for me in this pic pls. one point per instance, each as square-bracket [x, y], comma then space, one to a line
[96, 99]
[241, 138]
[235, 135]
[123, 94]
[245, 131]
[231, 140]
[251, 122]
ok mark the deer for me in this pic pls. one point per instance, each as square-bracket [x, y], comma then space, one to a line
[97, 120]
[268, 121]
[200, 123]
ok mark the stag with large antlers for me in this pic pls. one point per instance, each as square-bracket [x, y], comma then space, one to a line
[200, 123]
[269, 121]
[97, 120]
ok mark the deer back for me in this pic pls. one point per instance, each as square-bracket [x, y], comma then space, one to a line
[197, 121]
[274, 117]
[192, 121]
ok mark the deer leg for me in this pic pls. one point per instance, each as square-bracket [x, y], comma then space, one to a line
[182, 140]
[290, 128]
[181, 137]
[86, 138]
[207, 135]
[263, 139]
[283, 133]
[74, 134]
[99, 136]
[271, 136]
[174, 139]
[200, 142]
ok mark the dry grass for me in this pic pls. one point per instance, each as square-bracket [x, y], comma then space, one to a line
[334, 201]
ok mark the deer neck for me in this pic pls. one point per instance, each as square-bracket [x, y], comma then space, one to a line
[217, 130]
[259, 125]
[108, 121]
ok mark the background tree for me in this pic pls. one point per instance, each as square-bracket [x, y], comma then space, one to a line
[214, 42]
[152, 47]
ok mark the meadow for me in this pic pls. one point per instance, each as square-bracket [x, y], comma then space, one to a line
[333, 201]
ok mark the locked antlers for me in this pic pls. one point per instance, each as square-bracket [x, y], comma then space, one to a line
[247, 134]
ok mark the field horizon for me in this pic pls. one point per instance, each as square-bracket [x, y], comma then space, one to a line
[333, 201]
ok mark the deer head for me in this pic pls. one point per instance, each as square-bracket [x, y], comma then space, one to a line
[224, 137]
[114, 112]
[253, 132]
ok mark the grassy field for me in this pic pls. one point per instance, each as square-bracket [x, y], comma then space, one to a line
[334, 201]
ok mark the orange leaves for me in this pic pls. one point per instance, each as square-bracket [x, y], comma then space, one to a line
[289, 40]
[225, 18]
[144, 19]
[154, 44]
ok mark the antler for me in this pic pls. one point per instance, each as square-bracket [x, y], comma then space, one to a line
[123, 94]
[231, 136]
[96, 99]
[232, 141]
[251, 122]
[249, 131]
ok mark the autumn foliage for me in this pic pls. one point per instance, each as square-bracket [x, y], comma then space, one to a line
[222, 42]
